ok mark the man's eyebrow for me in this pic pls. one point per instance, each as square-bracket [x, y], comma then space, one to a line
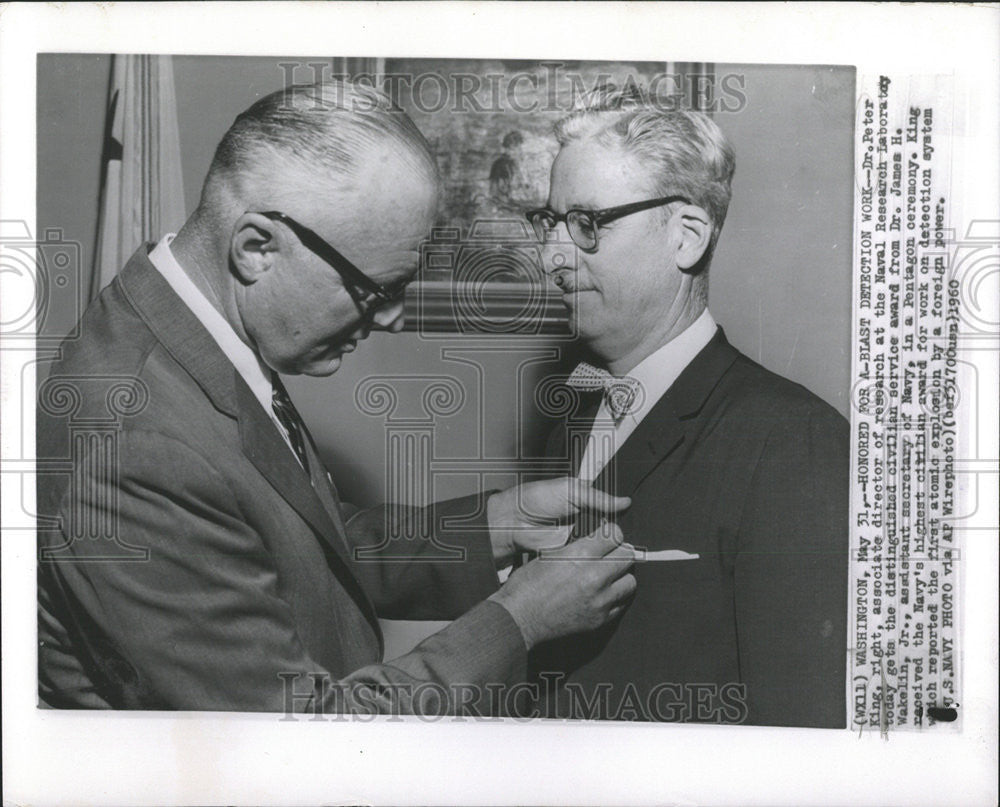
[578, 205]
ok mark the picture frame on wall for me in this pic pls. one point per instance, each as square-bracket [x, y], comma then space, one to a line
[490, 124]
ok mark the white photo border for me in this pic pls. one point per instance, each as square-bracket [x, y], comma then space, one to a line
[150, 758]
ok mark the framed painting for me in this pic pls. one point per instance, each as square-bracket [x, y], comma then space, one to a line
[490, 125]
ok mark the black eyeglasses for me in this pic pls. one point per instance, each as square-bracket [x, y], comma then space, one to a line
[368, 294]
[583, 225]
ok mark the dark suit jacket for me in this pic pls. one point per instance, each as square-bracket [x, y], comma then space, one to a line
[186, 562]
[750, 472]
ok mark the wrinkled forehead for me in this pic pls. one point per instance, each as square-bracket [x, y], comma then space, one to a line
[396, 219]
[590, 174]
[382, 234]
[387, 201]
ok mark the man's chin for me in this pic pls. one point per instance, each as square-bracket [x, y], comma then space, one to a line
[323, 366]
[328, 362]
[323, 361]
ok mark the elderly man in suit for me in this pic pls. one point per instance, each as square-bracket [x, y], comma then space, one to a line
[738, 477]
[200, 557]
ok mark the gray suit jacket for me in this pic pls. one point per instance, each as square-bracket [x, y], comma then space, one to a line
[187, 562]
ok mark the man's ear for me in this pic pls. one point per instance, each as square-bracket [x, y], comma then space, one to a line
[253, 246]
[696, 232]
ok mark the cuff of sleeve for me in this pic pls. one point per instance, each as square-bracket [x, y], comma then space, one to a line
[493, 645]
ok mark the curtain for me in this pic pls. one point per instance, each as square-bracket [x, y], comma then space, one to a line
[142, 189]
[698, 83]
[362, 68]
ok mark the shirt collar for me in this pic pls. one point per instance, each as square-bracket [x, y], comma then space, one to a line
[244, 359]
[659, 370]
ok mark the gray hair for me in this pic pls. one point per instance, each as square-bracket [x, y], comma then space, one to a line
[325, 127]
[684, 151]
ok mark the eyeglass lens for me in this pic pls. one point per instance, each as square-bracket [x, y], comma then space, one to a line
[541, 224]
[579, 223]
[582, 229]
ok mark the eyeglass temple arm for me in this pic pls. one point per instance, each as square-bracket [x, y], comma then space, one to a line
[329, 253]
[612, 213]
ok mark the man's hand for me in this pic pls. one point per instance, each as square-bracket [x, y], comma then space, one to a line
[538, 515]
[572, 589]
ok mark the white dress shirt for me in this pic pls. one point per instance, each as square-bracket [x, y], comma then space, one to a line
[655, 374]
[247, 363]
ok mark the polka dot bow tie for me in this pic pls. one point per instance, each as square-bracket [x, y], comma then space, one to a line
[620, 394]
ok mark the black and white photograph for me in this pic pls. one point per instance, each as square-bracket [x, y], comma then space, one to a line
[214, 549]
[387, 397]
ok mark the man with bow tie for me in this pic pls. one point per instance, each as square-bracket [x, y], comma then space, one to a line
[738, 477]
[198, 556]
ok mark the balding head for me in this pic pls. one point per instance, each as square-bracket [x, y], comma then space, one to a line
[313, 141]
[340, 160]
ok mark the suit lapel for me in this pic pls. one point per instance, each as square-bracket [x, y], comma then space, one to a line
[578, 429]
[568, 440]
[653, 440]
[185, 338]
[265, 448]
[178, 330]
[665, 426]
[269, 453]
[322, 483]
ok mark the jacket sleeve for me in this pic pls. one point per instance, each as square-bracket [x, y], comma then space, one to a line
[791, 574]
[431, 562]
[201, 624]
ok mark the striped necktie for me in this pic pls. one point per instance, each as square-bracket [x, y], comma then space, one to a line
[288, 416]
